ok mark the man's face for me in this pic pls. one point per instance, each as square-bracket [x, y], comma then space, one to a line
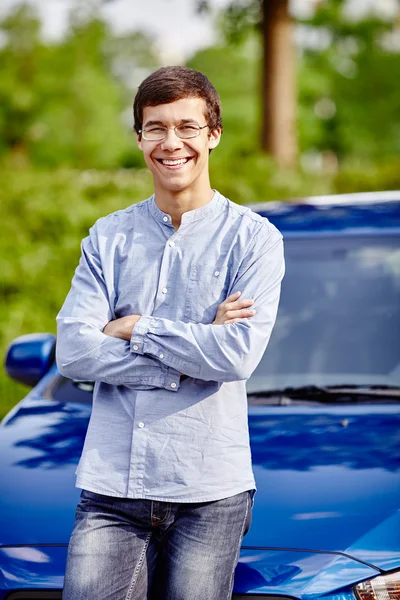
[178, 164]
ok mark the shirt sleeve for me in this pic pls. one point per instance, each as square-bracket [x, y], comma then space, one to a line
[83, 351]
[223, 352]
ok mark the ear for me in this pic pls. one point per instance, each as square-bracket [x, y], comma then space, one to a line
[214, 138]
[139, 140]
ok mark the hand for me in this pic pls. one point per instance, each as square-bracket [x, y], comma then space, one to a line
[233, 310]
[122, 328]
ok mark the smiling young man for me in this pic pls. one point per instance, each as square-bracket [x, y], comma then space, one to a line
[160, 315]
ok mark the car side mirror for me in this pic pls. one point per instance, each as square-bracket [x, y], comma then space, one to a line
[29, 357]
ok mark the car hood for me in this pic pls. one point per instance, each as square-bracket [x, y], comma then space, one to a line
[327, 477]
[40, 445]
[280, 573]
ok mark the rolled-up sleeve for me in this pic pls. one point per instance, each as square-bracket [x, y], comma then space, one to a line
[83, 351]
[223, 353]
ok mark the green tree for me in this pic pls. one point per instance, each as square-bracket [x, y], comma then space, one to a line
[349, 76]
[19, 59]
[62, 104]
[271, 18]
[349, 93]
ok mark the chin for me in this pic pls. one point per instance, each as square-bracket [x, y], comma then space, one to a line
[175, 186]
[177, 189]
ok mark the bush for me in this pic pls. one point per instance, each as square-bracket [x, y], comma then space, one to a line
[361, 177]
[44, 217]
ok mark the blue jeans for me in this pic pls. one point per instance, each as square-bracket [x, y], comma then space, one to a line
[123, 549]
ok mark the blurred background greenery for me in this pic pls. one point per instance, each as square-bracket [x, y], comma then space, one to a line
[68, 155]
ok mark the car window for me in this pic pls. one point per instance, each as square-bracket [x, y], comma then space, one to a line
[339, 315]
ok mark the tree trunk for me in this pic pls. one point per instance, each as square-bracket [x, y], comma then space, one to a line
[279, 83]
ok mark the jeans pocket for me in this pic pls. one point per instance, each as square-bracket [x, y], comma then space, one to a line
[207, 288]
[91, 501]
[249, 515]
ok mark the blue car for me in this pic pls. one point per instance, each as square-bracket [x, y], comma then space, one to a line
[324, 418]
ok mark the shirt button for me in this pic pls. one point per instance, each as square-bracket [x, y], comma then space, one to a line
[164, 290]
[173, 385]
[171, 243]
[161, 356]
[135, 347]
[141, 424]
[216, 273]
[165, 219]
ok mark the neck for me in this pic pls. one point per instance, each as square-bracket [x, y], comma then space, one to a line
[175, 204]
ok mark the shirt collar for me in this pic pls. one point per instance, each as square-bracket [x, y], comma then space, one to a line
[188, 217]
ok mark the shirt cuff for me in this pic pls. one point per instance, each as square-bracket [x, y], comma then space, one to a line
[138, 335]
[171, 376]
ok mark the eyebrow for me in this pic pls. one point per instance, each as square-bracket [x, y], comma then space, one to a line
[181, 122]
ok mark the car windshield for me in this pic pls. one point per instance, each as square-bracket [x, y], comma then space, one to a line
[339, 315]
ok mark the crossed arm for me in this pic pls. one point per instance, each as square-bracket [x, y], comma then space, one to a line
[231, 347]
[148, 352]
[232, 310]
[83, 350]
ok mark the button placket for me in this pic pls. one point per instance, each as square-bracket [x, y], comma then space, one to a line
[162, 293]
[137, 467]
[171, 255]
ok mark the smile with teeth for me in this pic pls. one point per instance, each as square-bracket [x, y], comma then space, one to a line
[173, 162]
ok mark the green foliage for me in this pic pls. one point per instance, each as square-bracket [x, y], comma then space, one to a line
[349, 97]
[363, 108]
[44, 217]
[234, 73]
[355, 73]
[63, 104]
[239, 19]
[360, 176]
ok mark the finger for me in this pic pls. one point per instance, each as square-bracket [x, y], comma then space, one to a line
[238, 304]
[231, 298]
[244, 313]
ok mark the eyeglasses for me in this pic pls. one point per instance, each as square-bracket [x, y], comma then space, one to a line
[156, 133]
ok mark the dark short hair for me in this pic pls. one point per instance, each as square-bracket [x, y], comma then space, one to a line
[169, 84]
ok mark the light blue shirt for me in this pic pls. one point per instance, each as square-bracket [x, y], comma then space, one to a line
[154, 434]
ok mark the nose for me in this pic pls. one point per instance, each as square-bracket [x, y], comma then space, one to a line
[171, 142]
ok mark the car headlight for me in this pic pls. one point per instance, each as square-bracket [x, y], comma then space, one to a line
[383, 587]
